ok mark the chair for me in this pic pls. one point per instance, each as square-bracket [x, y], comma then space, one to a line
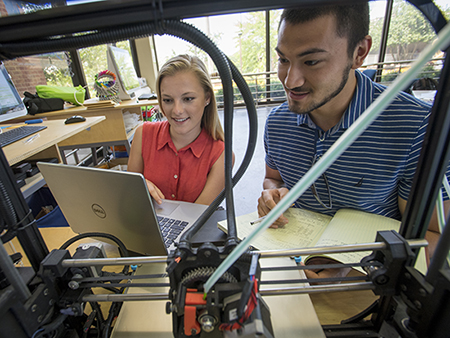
[370, 73]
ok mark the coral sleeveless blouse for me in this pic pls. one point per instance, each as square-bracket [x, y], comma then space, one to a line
[180, 175]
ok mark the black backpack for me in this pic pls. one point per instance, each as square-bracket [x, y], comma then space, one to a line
[36, 104]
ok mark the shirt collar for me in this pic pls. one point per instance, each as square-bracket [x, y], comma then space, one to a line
[197, 147]
[362, 98]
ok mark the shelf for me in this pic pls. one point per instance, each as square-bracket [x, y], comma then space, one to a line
[33, 184]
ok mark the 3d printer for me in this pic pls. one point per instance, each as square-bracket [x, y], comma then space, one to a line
[48, 299]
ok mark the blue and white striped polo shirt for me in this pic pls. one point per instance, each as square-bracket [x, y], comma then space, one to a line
[372, 172]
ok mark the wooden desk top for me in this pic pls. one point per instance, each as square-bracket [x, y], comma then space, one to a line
[80, 110]
[56, 132]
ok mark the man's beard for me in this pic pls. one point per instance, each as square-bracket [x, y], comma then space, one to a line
[293, 108]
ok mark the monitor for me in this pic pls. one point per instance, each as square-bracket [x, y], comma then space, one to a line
[11, 105]
[121, 64]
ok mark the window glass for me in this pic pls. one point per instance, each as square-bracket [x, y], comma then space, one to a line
[94, 61]
[409, 34]
[242, 37]
[377, 13]
[16, 7]
[47, 69]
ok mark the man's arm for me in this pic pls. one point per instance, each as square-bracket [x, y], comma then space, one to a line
[273, 192]
[433, 233]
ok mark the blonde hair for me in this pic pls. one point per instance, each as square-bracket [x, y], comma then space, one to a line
[186, 63]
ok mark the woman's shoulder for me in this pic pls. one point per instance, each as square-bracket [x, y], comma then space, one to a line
[154, 125]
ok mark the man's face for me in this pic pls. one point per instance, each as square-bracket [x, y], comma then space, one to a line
[313, 65]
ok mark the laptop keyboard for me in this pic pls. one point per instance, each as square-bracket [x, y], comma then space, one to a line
[16, 134]
[171, 229]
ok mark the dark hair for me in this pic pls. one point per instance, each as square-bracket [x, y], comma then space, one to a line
[352, 20]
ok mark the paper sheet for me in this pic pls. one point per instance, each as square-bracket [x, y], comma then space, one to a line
[303, 230]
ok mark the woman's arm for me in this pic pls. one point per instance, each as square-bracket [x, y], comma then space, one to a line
[215, 182]
[136, 164]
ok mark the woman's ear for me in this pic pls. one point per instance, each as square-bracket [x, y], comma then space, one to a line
[361, 51]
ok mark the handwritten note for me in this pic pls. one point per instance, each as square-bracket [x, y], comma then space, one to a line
[303, 230]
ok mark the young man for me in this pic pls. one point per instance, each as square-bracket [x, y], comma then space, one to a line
[319, 52]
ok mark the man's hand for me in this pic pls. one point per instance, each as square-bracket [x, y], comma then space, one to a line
[324, 273]
[268, 200]
[155, 192]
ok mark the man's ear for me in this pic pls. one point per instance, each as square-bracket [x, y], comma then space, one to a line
[361, 51]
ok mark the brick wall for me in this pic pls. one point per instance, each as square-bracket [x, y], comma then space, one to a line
[3, 9]
[26, 73]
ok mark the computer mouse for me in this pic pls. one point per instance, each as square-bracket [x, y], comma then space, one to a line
[75, 119]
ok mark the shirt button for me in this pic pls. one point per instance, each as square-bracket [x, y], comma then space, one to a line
[175, 176]
[173, 196]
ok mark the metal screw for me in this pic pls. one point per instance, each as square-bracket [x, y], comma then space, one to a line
[382, 280]
[33, 308]
[193, 331]
[40, 318]
[418, 304]
[45, 292]
[207, 253]
[403, 287]
[407, 275]
[74, 285]
[422, 292]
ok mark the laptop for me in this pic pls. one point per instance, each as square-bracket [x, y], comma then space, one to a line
[118, 203]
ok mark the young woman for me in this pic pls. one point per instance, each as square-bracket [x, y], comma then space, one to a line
[182, 158]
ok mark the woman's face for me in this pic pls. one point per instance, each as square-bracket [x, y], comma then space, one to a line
[183, 102]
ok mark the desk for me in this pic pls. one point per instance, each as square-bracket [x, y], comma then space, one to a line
[109, 133]
[46, 146]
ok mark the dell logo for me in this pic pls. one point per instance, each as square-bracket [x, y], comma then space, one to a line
[99, 211]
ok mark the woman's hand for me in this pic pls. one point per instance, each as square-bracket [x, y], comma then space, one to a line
[155, 192]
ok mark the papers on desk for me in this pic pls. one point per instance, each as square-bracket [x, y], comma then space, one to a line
[95, 103]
